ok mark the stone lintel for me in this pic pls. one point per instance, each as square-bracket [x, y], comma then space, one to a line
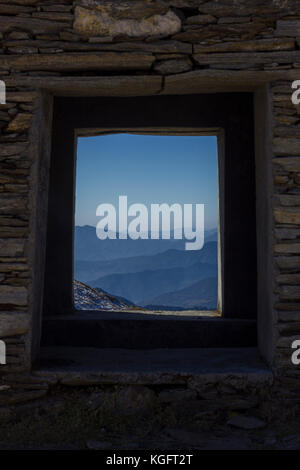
[92, 86]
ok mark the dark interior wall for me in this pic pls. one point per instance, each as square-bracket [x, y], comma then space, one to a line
[59, 251]
[265, 229]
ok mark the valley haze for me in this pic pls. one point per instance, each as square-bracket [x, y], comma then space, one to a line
[149, 272]
[138, 227]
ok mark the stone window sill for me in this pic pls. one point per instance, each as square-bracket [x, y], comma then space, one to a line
[92, 366]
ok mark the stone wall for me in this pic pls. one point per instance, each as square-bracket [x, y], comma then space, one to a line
[132, 48]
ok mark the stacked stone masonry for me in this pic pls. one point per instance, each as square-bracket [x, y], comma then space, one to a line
[142, 47]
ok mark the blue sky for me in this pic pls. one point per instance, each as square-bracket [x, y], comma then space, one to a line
[149, 170]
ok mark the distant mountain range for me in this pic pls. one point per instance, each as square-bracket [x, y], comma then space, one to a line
[91, 270]
[201, 295]
[87, 298]
[141, 286]
[148, 272]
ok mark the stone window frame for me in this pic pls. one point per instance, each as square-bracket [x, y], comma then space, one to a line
[47, 104]
[259, 83]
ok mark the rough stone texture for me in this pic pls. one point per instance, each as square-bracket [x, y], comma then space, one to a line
[133, 9]
[245, 8]
[103, 21]
[19, 123]
[201, 19]
[7, 150]
[134, 399]
[13, 324]
[286, 146]
[288, 28]
[168, 67]
[289, 200]
[289, 248]
[248, 58]
[289, 163]
[10, 295]
[206, 81]
[287, 216]
[259, 45]
[11, 247]
[32, 25]
[125, 85]
[288, 262]
[243, 422]
[223, 31]
[98, 45]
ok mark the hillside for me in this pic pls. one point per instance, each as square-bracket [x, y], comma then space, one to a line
[87, 298]
[140, 286]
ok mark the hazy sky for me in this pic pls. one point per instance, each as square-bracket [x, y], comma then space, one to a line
[149, 170]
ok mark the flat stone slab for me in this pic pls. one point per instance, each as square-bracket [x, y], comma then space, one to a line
[212, 81]
[104, 61]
